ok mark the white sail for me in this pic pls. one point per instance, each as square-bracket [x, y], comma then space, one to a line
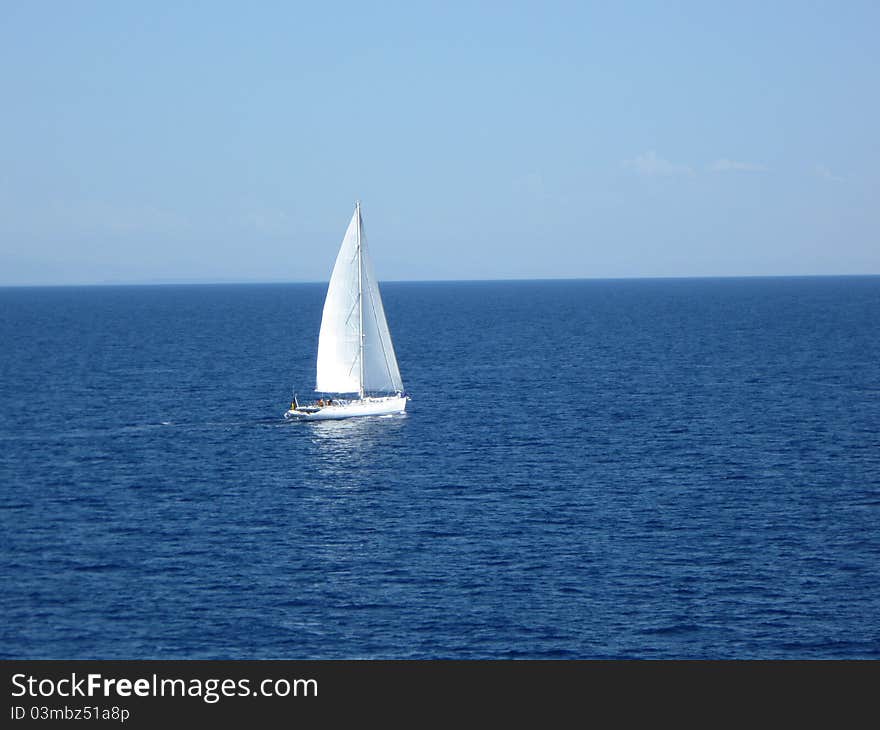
[338, 341]
[353, 307]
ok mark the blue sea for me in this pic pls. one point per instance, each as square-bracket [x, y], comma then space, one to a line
[587, 469]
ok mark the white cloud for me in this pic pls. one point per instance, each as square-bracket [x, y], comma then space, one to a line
[724, 165]
[649, 165]
[825, 173]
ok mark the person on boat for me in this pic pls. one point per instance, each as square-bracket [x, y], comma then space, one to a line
[329, 401]
[320, 402]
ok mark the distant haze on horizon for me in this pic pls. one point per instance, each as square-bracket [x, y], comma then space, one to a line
[213, 142]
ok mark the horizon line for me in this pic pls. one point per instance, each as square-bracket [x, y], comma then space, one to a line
[264, 282]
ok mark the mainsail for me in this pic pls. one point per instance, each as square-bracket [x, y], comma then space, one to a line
[355, 353]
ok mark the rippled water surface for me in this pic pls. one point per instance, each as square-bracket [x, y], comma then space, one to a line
[668, 468]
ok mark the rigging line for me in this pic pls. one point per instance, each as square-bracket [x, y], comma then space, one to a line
[347, 319]
[354, 303]
[390, 342]
[376, 320]
[360, 255]
[350, 312]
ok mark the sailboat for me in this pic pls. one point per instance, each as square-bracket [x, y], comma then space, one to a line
[356, 361]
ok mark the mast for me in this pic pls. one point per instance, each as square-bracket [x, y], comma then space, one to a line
[360, 299]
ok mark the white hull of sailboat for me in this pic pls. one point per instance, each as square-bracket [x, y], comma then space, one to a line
[351, 409]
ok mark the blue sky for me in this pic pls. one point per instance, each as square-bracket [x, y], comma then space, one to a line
[145, 142]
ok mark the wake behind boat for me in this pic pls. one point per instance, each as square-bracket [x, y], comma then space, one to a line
[355, 353]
